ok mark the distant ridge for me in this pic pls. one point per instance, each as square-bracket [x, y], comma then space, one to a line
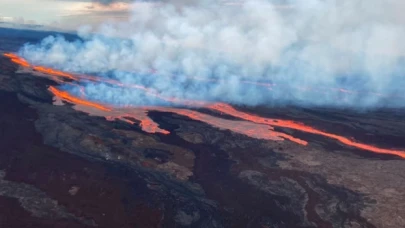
[32, 32]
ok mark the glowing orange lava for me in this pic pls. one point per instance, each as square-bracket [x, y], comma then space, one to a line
[55, 73]
[253, 130]
[16, 59]
[250, 129]
[227, 109]
[252, 125]
[66, 96]
[139, 114]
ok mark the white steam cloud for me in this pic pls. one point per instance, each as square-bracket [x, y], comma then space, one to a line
[310, 49]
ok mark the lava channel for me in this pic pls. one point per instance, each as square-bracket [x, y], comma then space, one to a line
[56, 75]
[126, 114]
[253, 126]
[151, 92]
[229, 110]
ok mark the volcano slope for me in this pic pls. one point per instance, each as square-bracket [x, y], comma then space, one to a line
[63, 167]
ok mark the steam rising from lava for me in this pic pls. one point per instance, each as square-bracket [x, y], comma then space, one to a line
[204, 53]
[318, 52]
[248, 124]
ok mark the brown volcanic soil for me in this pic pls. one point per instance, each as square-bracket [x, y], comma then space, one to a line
[102, 197]
[64, 168]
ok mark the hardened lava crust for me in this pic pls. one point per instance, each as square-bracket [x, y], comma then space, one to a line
[60, 167]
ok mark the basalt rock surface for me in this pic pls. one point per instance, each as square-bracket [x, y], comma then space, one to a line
[64, 168]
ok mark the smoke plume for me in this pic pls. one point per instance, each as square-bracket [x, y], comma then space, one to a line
[346, 53]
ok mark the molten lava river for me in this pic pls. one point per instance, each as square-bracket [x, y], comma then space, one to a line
[247, 124]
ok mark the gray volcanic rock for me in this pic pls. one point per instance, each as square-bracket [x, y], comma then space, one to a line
[66, 168]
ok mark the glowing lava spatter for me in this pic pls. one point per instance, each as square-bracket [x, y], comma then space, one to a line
[253, 126]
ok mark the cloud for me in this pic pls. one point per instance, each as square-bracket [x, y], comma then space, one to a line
[310, 50]
[18, 22]
[103, 2]
[107, 2]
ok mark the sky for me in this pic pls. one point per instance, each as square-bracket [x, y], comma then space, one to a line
[72, 14]
[65, 14]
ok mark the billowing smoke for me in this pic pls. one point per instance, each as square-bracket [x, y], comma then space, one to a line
[316, 52]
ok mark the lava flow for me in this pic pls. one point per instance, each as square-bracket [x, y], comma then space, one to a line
[250, 129]
[16, 59]
[151, 92]
[66, 96]
[250, 125]
[229, 110]
[88, 78]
